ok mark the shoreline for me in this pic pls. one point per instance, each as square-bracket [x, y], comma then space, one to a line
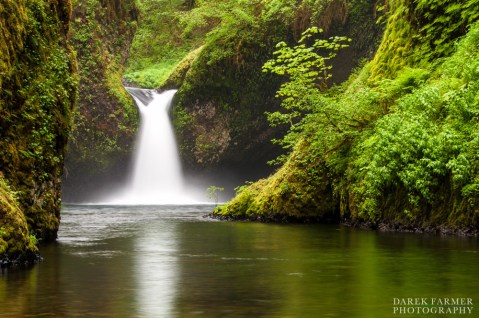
[381, 226]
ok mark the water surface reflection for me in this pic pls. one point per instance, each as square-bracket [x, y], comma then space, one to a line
[156, 270]
[172, 262]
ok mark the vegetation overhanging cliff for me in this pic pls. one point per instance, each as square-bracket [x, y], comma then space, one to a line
[396, 145]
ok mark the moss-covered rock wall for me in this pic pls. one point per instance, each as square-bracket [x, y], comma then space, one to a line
[37, 91]
[105, 118]
[16, 242]
[396, 145]
[223, 94]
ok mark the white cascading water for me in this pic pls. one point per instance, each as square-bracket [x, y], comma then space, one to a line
[157, 177]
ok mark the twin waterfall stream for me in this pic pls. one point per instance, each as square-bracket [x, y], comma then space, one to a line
[157, 178]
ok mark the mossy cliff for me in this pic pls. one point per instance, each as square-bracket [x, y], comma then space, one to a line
[396, 145]
[221, 103]
[16, 242]
[37, 91]
[216, 51]
[105, 119]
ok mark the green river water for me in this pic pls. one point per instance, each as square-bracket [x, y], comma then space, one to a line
[170, 261]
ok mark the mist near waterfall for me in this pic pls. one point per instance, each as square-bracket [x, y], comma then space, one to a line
[154, 174]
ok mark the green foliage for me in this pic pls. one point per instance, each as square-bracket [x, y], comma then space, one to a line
[152, 76]
[405, 82]
[158, 45]
[441, 21]
[307, 69]
[429, 141]
[419, 32]
[213, 192]
[33, 239]
[398, 141]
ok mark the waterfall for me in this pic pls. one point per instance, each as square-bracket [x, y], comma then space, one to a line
[157, 176]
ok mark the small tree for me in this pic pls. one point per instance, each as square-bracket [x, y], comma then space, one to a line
[307, 69]
[213, 193]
